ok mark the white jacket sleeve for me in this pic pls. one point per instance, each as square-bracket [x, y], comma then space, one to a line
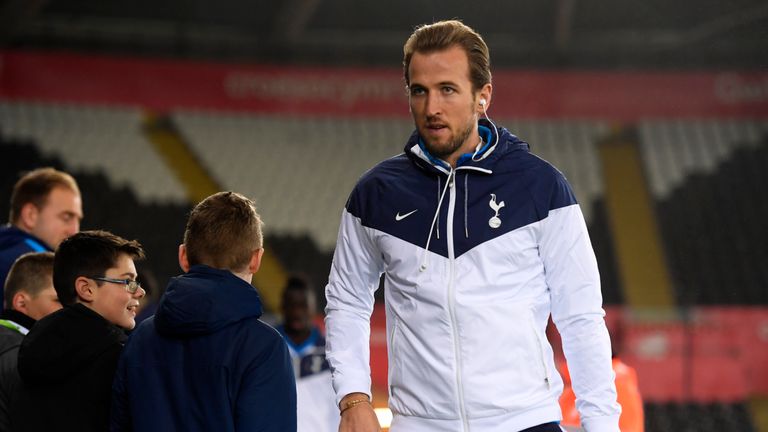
[355, 272]
[574, 281]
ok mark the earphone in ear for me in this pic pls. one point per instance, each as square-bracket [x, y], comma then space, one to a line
[482, 102]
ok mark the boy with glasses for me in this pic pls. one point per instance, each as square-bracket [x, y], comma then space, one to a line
[205, 362]
[67, 361]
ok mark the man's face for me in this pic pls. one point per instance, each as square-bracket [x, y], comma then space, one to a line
[59, 217]
[443, 103]
[44, 303]
[298, 309]
[112, 301]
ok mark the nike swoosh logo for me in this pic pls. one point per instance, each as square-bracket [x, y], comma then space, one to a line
[399, 217]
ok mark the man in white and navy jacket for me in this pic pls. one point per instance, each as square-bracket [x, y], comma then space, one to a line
[479, 242]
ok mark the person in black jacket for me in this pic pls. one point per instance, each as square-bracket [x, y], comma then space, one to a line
[29, 296]
[205, 362]
[67, 361]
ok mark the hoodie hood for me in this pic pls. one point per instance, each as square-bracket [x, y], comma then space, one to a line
[65, 342]
[497, 143]
[203, 301]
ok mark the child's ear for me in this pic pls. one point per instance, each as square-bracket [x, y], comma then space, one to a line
[19, 302]
[84, 289]
[183, 260]
[255, 263]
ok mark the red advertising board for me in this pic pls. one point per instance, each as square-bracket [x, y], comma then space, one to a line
[174, 84]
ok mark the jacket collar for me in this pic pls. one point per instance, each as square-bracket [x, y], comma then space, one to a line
[18, 318]
[495, 142]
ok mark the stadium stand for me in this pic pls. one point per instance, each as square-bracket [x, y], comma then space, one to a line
[95, 138]
[105, 206]
[329, 154]
[300, 218]
[707, 178]
[300, 169]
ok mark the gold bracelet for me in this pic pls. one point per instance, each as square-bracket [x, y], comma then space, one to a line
[353, 403]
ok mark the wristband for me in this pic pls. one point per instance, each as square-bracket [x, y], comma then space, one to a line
[353, 403]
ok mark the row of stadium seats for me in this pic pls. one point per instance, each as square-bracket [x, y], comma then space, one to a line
[300, 170]
[715, 234]
[159, 226]
[674, 150]
[693, 210]
[95, 139]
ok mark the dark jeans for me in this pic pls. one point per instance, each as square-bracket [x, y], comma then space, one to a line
[546, 427]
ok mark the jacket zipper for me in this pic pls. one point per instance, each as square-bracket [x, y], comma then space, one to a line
[452, 297]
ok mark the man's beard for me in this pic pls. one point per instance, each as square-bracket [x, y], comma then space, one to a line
[455, 144]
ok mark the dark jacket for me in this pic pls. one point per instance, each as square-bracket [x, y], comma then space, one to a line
[13, 326]
[67, 363]
[10, 340]
[205, 362]
[13, 244]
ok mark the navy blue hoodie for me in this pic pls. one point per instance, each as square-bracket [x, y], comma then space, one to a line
[205, 362]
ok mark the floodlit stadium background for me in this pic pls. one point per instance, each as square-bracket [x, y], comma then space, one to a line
[657, 112]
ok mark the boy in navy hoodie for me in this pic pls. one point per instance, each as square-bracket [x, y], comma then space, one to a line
[205, 361]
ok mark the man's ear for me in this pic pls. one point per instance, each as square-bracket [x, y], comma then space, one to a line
[183, 260]
[485, 93]
[255, 263]
[19, 302]
[84, 289]
[28, 216]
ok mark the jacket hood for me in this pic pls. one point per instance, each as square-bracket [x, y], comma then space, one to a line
[203, 301]
[65, 342]
[498, 143]
[11, 236]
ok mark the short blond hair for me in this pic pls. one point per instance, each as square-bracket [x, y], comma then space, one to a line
[223, 231]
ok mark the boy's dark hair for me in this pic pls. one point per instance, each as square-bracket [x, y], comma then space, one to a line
[88, 254]
[30, 273]
[223, 231]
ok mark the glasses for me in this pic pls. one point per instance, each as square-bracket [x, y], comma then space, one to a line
[130, 285]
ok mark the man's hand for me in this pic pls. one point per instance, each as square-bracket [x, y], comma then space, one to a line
[358, 418]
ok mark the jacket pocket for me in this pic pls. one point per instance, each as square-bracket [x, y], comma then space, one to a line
[394, 368]
[540, 343]
[421, 378]
[503, 353]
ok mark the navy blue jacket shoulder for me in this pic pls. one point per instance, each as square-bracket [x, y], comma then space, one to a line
[205, 362]
[13, 244]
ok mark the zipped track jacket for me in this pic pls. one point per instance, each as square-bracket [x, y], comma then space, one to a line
[475, 260]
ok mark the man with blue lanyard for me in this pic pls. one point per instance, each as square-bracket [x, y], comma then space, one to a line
[46, 208]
